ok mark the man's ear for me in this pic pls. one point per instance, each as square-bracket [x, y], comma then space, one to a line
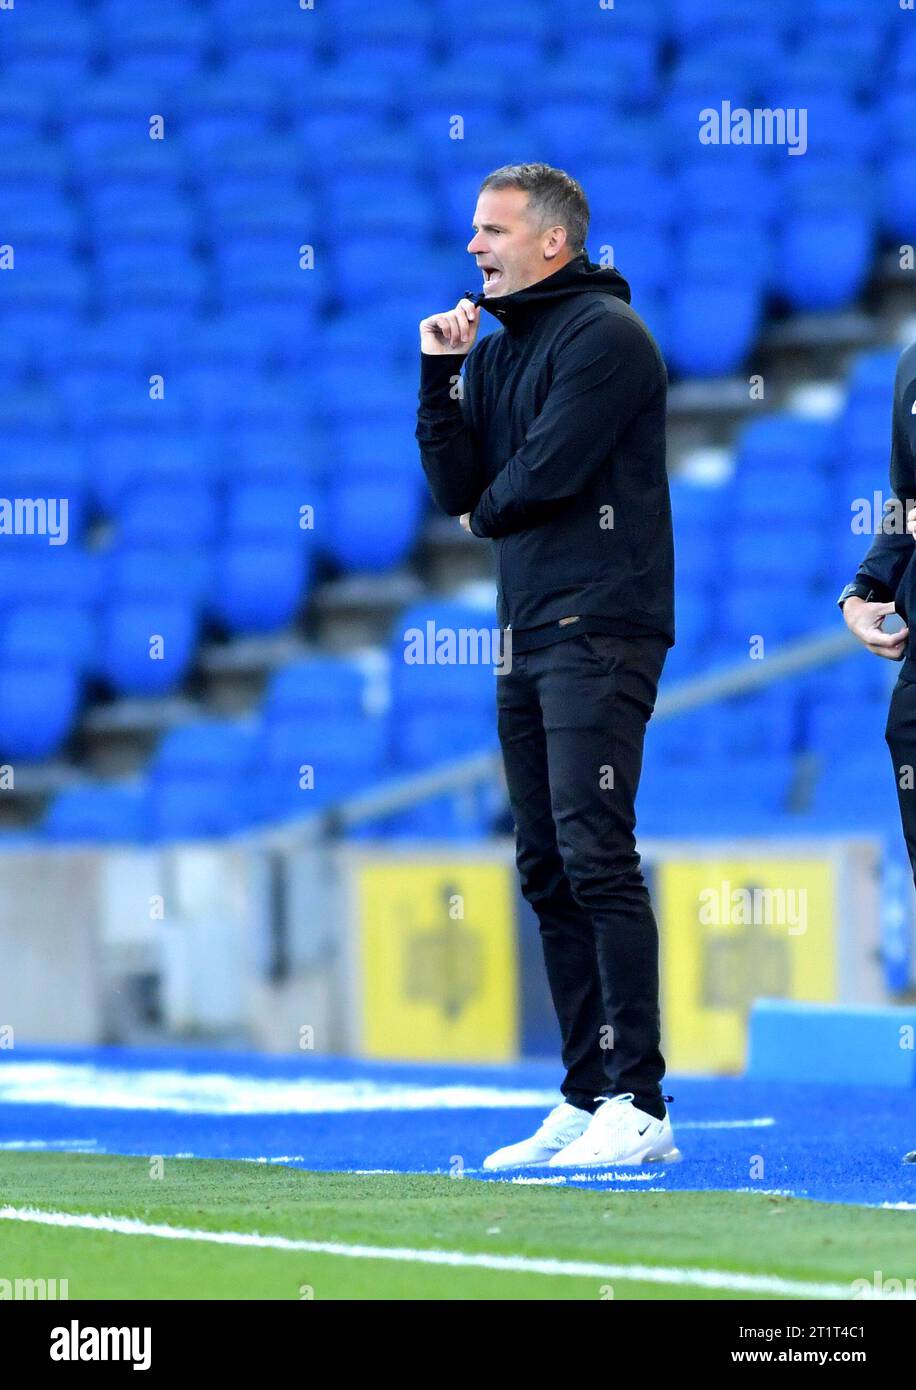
[555, 243]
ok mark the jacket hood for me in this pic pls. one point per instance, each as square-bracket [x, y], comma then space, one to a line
[578, 276]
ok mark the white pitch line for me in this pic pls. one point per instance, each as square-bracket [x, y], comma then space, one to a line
[514, 1264]
[764, 1122]
[23, 1144]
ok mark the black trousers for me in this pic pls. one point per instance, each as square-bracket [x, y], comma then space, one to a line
[901, 740]
[572, 719]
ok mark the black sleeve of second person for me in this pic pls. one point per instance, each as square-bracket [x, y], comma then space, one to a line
[892, 549]
[883, 566]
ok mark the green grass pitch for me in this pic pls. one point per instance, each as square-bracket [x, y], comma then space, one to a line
[751, 1233]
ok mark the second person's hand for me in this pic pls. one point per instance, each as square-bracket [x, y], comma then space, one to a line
[866, 622]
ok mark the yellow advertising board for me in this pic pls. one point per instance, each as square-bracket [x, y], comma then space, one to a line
[437, 954]
[732, 931]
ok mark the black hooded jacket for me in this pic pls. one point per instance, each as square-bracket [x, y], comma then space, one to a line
[554, 441]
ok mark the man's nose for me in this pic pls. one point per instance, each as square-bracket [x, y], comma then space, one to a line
[476, 245]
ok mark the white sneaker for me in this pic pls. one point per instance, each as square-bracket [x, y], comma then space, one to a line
[619, 1133]
[564, 1124]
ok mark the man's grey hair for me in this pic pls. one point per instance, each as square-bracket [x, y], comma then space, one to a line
[554, 198]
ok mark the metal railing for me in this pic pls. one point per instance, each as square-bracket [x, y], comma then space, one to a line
[462, 774]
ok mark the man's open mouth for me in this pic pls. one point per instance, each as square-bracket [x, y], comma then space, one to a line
[490, 274]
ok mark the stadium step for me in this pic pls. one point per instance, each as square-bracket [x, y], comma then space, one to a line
[357, 610]
[118, 738]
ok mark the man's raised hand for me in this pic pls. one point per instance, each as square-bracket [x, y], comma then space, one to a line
[452, 332]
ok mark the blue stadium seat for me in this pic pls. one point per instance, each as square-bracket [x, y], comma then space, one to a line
[649, 196]
[44, 235]
[24, 112]
[323, 685]
[161, 225]
[710, 250]
[443, 655]
[39, 703]
[691, 19]
[125, 460]
[866, 419]
[202, 779]
[262, 455]
[898, 193]
[839, 129]
[642, 252]
[64, 633]
[905, 71]
[750, 54]
[895, 116]
[346, 107]
[762, 550]
[56, 576]
[512, 36]
[571, 98]
[438, 94]
[630, 62]
[345, 756]
[160, 572]
[147, 645]
[278, 43]
[45, 305]
[372, 521]
[213, 109]
[254, 167]
[57, 53]
[53, 468]
[842, 209]
[712, 325]
[763, 494]
[110, 169]
[700, 193]
[125, 274]
[107, 113]
[103, 814]
[265, 510]
[260, 584]
[399, 41]
[358, 261]
[787, 441]
[170, 512]
[163, 45]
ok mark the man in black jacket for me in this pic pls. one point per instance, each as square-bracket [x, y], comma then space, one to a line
[552, 444]
[884, 584]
